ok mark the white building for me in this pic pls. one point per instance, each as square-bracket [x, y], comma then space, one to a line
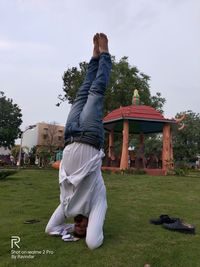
[4, 151]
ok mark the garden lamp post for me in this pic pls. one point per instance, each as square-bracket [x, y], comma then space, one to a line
[30, 127]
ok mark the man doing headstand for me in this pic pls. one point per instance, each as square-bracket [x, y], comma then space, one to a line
[82, 190]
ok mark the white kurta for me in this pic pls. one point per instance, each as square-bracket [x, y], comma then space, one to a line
[80, 179]
[82, 191]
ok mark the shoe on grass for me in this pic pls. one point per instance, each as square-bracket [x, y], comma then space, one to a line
[164, 218]
[180, 226]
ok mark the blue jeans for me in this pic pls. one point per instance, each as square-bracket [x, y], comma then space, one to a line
[84, 123]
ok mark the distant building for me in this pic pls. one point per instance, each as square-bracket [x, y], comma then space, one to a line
[4, 151]
[4, 156]
[44, 134]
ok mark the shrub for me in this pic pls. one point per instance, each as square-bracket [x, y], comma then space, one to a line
[5, 173]
[180, 172]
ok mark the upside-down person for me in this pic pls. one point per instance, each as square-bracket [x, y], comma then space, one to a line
[82, 189]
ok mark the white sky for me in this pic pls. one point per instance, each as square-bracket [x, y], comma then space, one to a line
[40, 39]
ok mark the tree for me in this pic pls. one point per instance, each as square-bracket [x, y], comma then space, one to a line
[186, 142]
[32, 155]
[15, 150]
[43, 156]
[153, 145]
[10, 121]
[123, 80]
[54, 139]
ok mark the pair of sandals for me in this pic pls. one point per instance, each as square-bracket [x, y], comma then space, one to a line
[174, 224]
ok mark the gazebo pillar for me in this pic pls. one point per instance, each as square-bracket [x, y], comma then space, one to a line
[167, 154]
[142, 150]
[124, 156]
[111, 144]
[171, 151]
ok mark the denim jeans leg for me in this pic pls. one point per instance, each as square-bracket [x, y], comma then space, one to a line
[91, 116]
[72, 124]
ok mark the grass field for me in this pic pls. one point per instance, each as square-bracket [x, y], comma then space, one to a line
[130, 240]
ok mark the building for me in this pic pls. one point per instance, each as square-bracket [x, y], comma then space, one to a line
[4, 156]
[4, 151]
[44, 134]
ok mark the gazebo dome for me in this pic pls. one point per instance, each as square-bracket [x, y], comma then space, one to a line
[141, 118]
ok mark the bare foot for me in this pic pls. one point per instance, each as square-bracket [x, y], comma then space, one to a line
[103, 43]
[96, 51]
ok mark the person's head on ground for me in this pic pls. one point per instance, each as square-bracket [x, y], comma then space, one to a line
[80, 225]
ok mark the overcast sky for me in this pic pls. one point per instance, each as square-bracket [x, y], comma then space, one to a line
[40, 39]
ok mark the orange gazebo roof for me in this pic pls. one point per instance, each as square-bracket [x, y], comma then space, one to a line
[141, 118]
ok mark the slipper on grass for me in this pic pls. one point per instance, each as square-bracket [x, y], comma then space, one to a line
[180, 226]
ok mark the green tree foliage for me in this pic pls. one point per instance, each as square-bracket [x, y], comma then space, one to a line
[153, 145]
[15, 152]
[10, 121]
[32, 155]
[44, 155]
[186, 142]
[123, 80]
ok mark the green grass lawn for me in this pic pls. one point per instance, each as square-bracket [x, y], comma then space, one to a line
[130, 240]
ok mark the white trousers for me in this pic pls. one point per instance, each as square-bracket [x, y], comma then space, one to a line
[94, 235]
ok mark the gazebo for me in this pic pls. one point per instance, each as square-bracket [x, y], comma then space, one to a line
[141, 120]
